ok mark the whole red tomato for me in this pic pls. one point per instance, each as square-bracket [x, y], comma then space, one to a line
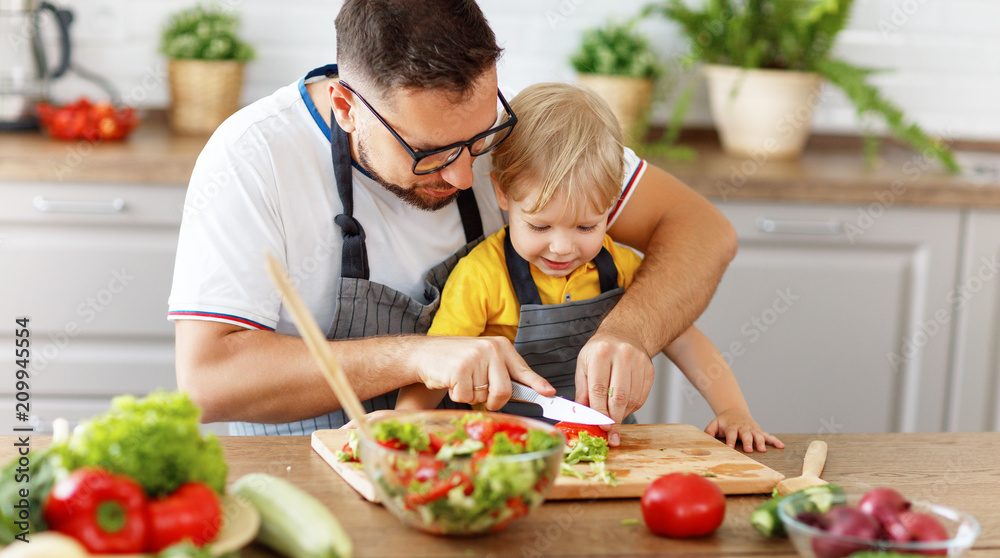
[683, 505]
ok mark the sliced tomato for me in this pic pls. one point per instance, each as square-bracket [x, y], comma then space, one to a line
[572, 431]
[481, 430]
[440, 490]
[516, 432]
[391, 444]
[437, 442]
[348, 451]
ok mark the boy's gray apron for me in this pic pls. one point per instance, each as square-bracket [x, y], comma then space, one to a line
[365, 308]
[550, 336]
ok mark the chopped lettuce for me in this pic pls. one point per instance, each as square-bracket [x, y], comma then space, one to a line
[503, 445]
[352, 448]
[155, 440]
[587, 448]
[409, 435]
[540, 440]
[599, 472]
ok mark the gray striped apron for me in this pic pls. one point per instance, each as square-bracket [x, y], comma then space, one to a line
[366, 308]
[550, 336]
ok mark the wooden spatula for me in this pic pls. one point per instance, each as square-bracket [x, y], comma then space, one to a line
[316, 341]
[812, 466]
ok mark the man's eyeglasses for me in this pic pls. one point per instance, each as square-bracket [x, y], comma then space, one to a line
[433, 160]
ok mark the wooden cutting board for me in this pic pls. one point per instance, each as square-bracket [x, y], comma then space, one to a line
[647, 452]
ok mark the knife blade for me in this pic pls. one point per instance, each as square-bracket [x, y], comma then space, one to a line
[558, 408]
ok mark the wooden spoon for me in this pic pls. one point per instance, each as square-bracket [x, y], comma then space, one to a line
[812, 466]
[318, 346]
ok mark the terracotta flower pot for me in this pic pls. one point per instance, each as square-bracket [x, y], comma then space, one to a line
[203, 94]
[762, 112]
[628, 97]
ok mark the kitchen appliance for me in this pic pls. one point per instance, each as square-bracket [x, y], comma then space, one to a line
[25, 71]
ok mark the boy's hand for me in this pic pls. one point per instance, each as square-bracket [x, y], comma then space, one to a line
[613, 376]
[739, 425]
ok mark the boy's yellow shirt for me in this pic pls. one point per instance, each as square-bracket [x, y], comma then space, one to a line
[479, 298]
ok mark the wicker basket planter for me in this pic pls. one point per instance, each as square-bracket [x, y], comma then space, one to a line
[203, 94]
[628, 97]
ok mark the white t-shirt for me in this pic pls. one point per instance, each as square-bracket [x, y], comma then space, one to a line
[265, 181]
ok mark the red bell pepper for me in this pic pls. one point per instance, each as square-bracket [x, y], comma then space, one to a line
[192, 513]
[104, 511]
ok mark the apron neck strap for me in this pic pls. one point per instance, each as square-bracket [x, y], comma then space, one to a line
[354, 255]
[524, 286]
[606, 270]
[468, 210]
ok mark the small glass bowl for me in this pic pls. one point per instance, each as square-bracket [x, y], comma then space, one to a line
[812, 542]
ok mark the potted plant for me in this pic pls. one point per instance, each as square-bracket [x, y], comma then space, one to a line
[765, 62]
[205, 68]
[617, 63]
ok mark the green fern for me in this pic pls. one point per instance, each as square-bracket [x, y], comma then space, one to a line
[204, 33]
[794, 35]
[868, 101]
[616, 50]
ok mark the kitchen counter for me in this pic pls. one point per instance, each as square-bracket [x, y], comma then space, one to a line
[152, 154]
[955, 469]
[832, 169]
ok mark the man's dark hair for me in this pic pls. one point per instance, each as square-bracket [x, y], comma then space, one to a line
[437, 44]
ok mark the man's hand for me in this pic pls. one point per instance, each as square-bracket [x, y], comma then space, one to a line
[474, 369]
[614, 376]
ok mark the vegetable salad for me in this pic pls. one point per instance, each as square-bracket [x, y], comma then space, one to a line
[473, 474]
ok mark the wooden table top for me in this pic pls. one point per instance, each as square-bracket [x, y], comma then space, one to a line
[956, 469]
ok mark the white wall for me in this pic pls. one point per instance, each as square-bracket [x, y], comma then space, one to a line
[945, 53]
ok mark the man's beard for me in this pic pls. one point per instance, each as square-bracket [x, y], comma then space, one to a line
[407, 195]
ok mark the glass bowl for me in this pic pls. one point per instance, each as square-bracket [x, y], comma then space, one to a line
[812, 542]
[460, 495]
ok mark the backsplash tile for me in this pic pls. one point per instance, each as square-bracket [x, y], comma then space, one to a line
[944, 54]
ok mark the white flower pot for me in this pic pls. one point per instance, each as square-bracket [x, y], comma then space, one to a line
[762, 112]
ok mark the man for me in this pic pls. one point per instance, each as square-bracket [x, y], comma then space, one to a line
[413, 100]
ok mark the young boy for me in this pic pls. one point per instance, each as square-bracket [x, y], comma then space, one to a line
[546, 281]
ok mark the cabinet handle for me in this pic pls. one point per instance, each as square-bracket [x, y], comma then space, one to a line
[792, 226]
[116, 205]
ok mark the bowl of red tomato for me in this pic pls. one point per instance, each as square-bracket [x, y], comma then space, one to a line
[880, 521]
[461, 472]
[84, 120]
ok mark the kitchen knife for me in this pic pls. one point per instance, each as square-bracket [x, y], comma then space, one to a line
[558, 408]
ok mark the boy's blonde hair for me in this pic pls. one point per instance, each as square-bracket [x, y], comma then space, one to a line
[566, 140]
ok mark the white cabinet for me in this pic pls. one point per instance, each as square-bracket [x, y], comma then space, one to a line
[835, 319]
[91, 266]
[975, 390]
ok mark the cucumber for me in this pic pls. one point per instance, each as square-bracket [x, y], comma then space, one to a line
[293, 523]
[765, 518]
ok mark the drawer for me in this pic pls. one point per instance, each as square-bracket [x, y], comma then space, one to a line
[105, 205]
[62, 366]
[87, 281]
